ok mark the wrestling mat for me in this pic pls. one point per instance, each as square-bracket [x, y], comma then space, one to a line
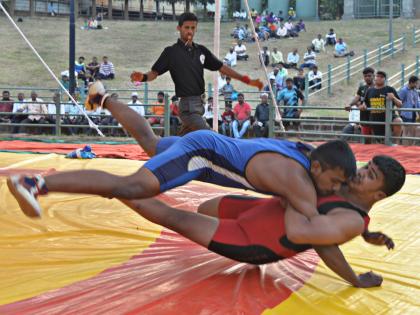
[91, 255]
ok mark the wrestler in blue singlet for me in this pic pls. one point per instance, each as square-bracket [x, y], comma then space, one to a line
[207, 156]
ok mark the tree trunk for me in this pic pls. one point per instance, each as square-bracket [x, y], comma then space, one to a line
[31, 7]
[141, 10]
[76, 9]
[12, 7]
[205, 10]
[125, 9]
[94, 8]
[157, 9]
[173, 11]
[110, 9]
[187, 6]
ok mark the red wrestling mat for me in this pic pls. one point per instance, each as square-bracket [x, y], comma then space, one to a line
[409, 156]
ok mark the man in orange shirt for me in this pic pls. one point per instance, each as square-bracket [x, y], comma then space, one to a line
[158, 110]
[242, 112]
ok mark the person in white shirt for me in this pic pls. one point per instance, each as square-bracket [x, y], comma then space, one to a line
[281, 31]
[276, 57]
[265, 56]
[292, 59]
[136, 104]
[36, 110]
[18, 107]
[240, 50]
[221, 82]
[353, 127]
[331, 38]
[315, 78]
[318, 44]
[208, 112]
[309, 59]
[231, 58]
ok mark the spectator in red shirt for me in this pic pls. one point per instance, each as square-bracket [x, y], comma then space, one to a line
[228, 117]
[242, 112]
[6, 106]
[175, 120]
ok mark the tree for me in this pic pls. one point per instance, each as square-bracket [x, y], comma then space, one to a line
[204, 3]
[141, 10]
[173, 2]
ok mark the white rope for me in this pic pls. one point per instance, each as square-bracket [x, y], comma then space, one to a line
[216, 51]
[91, 123]
[273, 99]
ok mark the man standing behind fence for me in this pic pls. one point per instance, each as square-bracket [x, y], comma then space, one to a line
[186, 61]
[410, 99]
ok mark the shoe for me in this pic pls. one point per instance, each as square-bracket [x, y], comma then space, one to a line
[26, 189]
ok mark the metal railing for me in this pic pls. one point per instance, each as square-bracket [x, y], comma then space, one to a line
[400, 78]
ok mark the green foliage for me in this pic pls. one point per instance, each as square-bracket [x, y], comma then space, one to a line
[331, 9]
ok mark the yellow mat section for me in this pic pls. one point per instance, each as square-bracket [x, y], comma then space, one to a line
[397, 216]
[41, 255]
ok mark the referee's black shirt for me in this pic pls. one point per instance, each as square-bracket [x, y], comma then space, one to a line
[186, 65]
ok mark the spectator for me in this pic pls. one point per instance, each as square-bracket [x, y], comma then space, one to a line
[136, 105]
[52, 111]
[290, 97]
[6, 106]
[221, 81]
[158, 110]
[71, 116]
[299, 80]
[309, 59]
[276, 57]
[359, 99]
[318, 44]
[410, 99]
[376, 99]
[262, 117]
[353, 127]
[242, 112]
[175, 120]
[93, 68]
[17, 106]
[292, 59]
[208, 111]
[291, 14]
[341, 49]
[240, 51]
[265, 56]
[236, 30]
[331, 38]
[281, 76]
[51, 9]
[315, 78]
[231, 57]
[254, 14]
[282, 31]
[228, 117]
[80, 68]
[290, 29]
[36, 110]
[106, 70]
[272, 79]
[227, 91]
[300, 26]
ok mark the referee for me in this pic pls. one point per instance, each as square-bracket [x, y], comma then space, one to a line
[186, 61]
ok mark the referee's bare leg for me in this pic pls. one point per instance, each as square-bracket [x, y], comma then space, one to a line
[135, 124]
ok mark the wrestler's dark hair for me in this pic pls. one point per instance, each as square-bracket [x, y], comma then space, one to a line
[394, 173]
[335, 154]
[187, 16]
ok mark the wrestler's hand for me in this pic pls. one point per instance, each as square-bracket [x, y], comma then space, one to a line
[379, 239]
[96, 96]
[369, 280]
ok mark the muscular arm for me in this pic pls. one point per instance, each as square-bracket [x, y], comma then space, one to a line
[335, 260]
[335, 228]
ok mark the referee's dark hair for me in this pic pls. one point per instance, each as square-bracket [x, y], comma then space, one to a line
[187, 16]
[335, 154]
[368, 70]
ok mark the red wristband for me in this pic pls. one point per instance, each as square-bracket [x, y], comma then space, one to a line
[245, 79]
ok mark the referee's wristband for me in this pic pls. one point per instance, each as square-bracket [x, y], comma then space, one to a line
[246, 79]
[145, 78]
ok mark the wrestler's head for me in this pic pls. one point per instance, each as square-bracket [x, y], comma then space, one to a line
[332, 164]
[382, 177]
[187, 26]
